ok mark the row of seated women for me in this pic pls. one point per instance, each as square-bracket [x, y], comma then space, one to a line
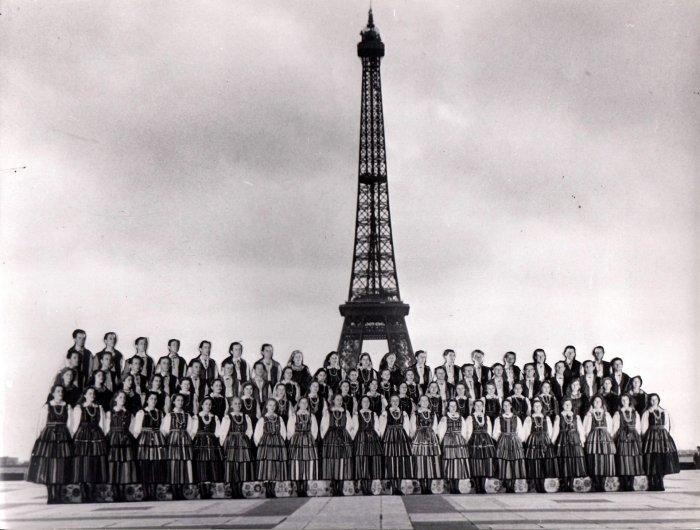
[90, 446]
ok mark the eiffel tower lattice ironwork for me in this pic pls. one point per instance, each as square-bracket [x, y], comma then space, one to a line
[374, 310]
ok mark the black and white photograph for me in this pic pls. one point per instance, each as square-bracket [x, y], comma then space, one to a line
[205, 210]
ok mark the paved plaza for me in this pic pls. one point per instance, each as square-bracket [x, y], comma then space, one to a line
[24, 505]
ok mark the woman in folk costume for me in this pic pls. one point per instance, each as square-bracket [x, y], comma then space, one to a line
[321, 377]
[249, 405]
[379, 403]
[366, 371]
[235, 435]
[658, 447]
[388, 362]
[510, 455]
[386, 387]
[405, 402]
[600, 448]
[103, 395]
[317, 406]
[367, 446]
[89, 444]
[231, 386]
[336, 374]
[413, 389]
[462, 399]
[569, 435]
[291, 387]
[452, 432]
[132, 400]
[482, 450]
[150, 446]
[610, 399]
[550, 405]
[71, 392]
[206, 451]
[627, 430]
[349, 401]
[156, 387]
[269, 436]
[284, 406]
[189, 398]
[302, 432]
[176, 428]
[637, 395]
[119, 425]
[354, 381]
[539, 451]
[573, 394]
[50, 462]
[301, 375]
[492, 403]
[521, 404]
[426, 446]
[337, 430]
[260, 384]
[446, 390]
[434, 398]
[219, 404]
[394, 429]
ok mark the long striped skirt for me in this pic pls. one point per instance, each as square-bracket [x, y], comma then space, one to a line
[272, 458]
[510, 457]
[178, 454]
[122, 458]
[208, 458]
[629, 454]
[539, 457]
[369, 455]
[600, 453]
[482, 455]
[239, 465]
[51, 462]
[337, 460]
[150, 455]
[398, 459]
[570, 459]
[660, 453]
[90, 455]
[303, 457]
[455, 456]
[426, 453]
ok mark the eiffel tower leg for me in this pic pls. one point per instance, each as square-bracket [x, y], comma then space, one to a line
[350, 344]
[399, 341]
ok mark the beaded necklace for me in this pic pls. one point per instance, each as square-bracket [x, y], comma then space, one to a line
[366, 415]
[396, 414]
[237, 418]
[362, 373]
[87, 408]
[57, 413]
[204, 418]
[480, 422]
[151, 415]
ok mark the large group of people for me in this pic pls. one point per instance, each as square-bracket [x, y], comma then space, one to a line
[114, 420]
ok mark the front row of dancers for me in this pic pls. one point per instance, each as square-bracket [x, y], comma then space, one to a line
[87, 446]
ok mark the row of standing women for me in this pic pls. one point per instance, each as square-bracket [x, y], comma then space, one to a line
[343, 440]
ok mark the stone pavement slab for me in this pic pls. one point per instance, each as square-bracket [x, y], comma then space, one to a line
[23, 505]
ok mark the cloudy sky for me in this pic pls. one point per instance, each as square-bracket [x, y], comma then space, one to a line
[190, 171]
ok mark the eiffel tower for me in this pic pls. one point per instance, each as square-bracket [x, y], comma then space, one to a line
[374, 310]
